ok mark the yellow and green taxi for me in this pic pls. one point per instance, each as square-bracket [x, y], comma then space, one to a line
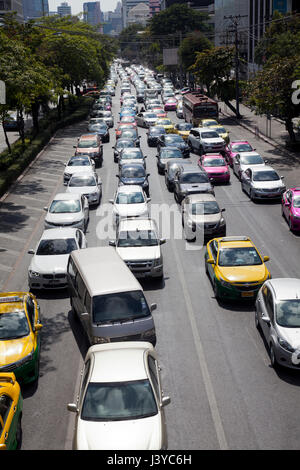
[20, 335]
[183, 129]
[235, 267]
[11, 405]
[222, 132]
[167, 124]
[208, 122]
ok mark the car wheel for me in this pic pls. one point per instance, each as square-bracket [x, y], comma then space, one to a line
[256, 320]
[251, 196]
[290, 225]
[215, 289]
[19, 433]
[273, 357]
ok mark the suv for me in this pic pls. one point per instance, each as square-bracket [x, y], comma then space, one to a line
[204, 140]
[138, 244]
[90, 145]
[191, 180]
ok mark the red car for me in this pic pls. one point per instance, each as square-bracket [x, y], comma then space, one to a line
[128, 120]
[124, 125]
[161, 113]
[216, 167]
[171, 104]
[235, 147]
[290, 208]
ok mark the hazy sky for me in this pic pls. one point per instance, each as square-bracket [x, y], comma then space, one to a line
[105, 5]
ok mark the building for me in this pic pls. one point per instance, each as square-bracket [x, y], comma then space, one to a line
[92, 14]
[201, 5]
[154, 6]
[128, 5]
[64, 9]
[113, 21]
[253, 17]
[35, 9]
[140, 14]
[9, 6]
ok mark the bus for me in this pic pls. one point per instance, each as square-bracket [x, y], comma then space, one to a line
[197, 106]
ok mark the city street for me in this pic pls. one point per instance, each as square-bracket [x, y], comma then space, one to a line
[215, 365]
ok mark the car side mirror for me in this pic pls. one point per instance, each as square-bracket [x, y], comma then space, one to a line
[38, 327]
[210, 261]
[266, 258]
[153, 307]
[72, 407]
[112, 243]
[162, 241]
[111, 201]
[223, 210]
[148, 199]
[266, 319]
[118, 176]
[31, 252]
[165, 401]
[282, 177]
[45, 209]
[148, 174]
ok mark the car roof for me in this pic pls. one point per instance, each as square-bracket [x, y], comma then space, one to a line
[203, 197]
[264, 168]
[138, 223]
[60, 232]
[133, 165]
[88, 137]
[192, 169]
[129, 188]
[213, 155]
[235, 241]
[118, 362]
[169, 147]
[66, 196]
[285, 288]
[11, 301]
[248, 154]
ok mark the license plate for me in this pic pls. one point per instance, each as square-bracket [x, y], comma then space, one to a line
[247, 294]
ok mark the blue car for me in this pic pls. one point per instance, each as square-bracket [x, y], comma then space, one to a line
[127, 112]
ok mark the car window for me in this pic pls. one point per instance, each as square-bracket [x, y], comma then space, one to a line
[214, 249]
[269, 302]
[5, 405]
[30, 310]
[154, 377]
[84, 378]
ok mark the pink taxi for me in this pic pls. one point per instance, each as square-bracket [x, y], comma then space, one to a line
[235, 147]
[290, 208]
[216, 167]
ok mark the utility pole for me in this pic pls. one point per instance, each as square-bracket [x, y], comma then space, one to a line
[235, 22]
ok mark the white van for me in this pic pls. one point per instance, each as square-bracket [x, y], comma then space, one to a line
[107, 297]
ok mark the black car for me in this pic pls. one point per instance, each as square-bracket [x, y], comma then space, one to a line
[134, 173]
[100, 128]
[165, 154]
[154, 133]
[131, 134]
[174, 140]
[121, 144]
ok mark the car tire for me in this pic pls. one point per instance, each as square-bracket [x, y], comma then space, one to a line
[290, 225]
[273, 360]
[19, 433]
[257, 325]
[215, 289]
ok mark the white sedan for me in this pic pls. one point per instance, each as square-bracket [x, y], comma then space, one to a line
[48, 267]
[130, 201]
[120, 404]
[68, 210]
[87, 184]
[77, 165]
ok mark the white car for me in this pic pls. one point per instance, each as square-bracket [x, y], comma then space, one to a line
[48, 267]
[139, 246]
[68, 210]
[146, 119]
[246, 160]
[77, 165]
[120, 404]
[205, 140]
[130, 201]
[87, 184]
[262, 183]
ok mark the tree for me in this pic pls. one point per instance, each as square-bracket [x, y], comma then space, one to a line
[195, 42]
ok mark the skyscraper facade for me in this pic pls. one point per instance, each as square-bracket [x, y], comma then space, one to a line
[92, 14]
[9, 6]
[64, 9]
[35, 8]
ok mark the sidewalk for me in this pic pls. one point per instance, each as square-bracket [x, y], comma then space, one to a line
[271, 130]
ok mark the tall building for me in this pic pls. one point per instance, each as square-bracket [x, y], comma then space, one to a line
[154, 6]
[9, 6]
[127, 5]
[201, 5]
[35, 9]
[92, 14]
[64, 9]
[254, 16]
[140, 14]
[113, 21]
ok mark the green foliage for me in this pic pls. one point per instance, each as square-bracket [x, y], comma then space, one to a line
[193, 43]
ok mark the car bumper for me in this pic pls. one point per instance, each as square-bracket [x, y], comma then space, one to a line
[26, 372]
[267, 195]
[145, 269]
[48, 281]
[220, 178]
[295, 224]
[232, 292]
[49, 225]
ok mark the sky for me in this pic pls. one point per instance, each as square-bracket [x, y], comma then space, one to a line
[76, 5]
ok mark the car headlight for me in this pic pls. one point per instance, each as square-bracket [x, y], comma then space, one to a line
[157, 262]
[148, 333]
[33, 273]
[100, 340]
[285, 345]
[224, 283]
[94, 194]
[24, 360]
[222, 221]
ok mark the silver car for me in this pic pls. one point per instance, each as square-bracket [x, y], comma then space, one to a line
[241, 162]
[262, 183]
[170, 169]
[201, 215]
[277, 315]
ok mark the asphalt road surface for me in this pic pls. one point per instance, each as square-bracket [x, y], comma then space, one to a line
[215, 365]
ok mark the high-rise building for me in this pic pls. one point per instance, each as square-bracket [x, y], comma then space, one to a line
[35, 9]
[201, 5]
[127, 5]
[92, 14]
[113, 21]
[64, 9]
[154, 6]
[140, 14]
[9, 6]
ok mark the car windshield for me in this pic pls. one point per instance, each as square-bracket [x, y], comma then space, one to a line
[210, 123]
[214, 162]
[137, 238]
[220, 130]
[288, 313]
[98, 125]
[205, 208]
[184, 127]
[133, 173]
[120, 306]
[13, 325]
[79, 162]
[209, 135]
[81, 181]
[297, 201]
[241, 148]
[157, 131]
[150, 115]
[118, 401]
[130, 198]
[246, 256]
[87, 143]
[265, 176]
[167, 153]
[61, 246]
[63, 207]
[194, 178]
[166, 122]
[124, 143]
[175, 138]
[251, 160]
[129, 133]
[131, 155]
